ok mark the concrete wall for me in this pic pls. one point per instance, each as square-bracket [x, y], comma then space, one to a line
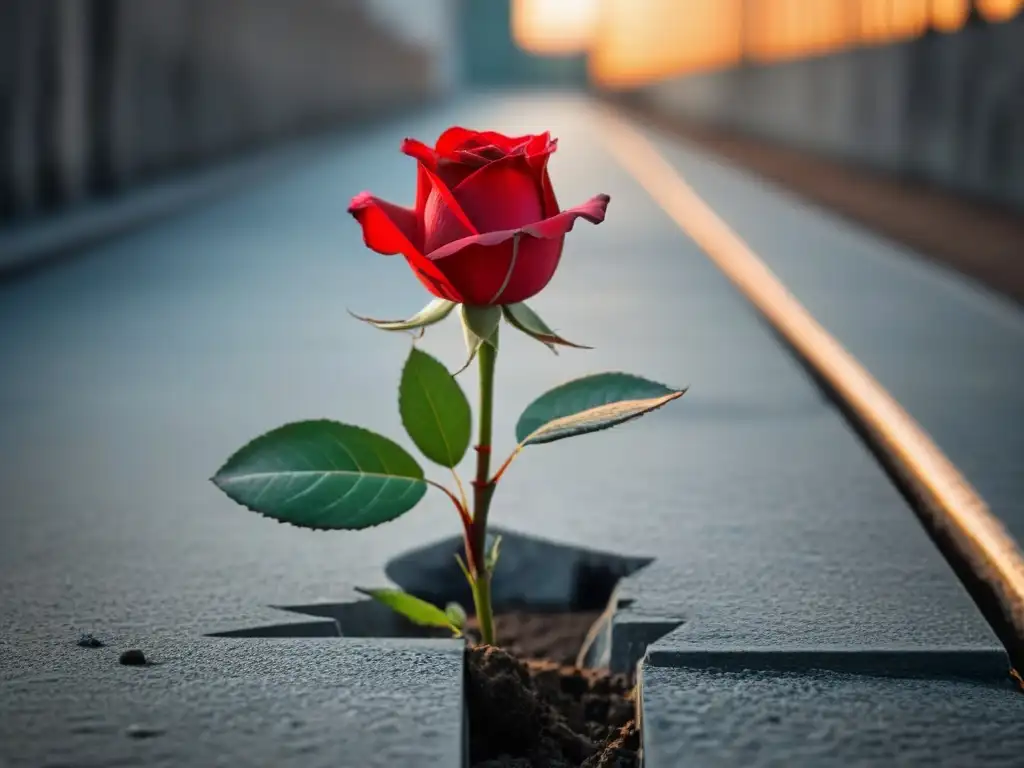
[947, 109]
[98, 94]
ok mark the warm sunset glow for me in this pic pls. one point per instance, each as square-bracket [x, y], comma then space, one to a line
[999, 10]
[554, 27]
[909, 19]
[949, 15]
[639, 41]
[874, 21]
[642, 40]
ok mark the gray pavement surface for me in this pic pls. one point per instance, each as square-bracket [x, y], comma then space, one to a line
[201, 702]
[735, 718]
[950, 351]
[132, 372]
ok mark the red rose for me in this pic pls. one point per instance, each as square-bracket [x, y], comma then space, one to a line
[486, 228]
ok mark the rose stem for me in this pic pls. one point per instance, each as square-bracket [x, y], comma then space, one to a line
[483, 489]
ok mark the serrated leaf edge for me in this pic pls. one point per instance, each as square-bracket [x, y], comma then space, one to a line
[216, 479]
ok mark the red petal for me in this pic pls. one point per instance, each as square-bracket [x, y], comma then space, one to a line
[453, 171]
[457, 137]
[537, 154]
[427, 159]
[547, 193]
[481, 155]
[444, 192]
[387, 228]
[478, 265]
[507, 143]
[454, 138]
[558, 225]
[391, 229]
[501, 195]
[593, 211]
[420, 151]
[541, 145]
[423, 187]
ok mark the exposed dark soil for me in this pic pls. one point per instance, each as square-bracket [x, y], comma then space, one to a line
[531, 712]
[555, 637]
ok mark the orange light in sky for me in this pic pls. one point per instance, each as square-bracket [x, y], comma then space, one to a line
[554, 27]
[908, 19]
[998, 10]
[642, 40]
[949, 15]
[638, 41]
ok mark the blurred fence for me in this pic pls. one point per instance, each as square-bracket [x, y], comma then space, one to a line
[98, 94]
[929, 91]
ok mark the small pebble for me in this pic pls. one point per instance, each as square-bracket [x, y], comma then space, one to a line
[136, 731]
[88, 641]
[133, 657]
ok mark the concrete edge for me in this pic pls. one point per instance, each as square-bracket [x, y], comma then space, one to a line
[990, 665]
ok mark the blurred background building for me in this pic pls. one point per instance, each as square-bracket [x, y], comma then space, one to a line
[97, 95]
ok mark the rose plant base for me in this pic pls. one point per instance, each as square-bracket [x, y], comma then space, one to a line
[486, 233]
[528, 714]
[531, 635]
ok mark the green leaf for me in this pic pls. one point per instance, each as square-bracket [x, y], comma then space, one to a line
[480, 326]
[434, 312]
[415, 610]
[434, 410]
[524, 319]
[323, 475]
[590, 404]
[456, 615]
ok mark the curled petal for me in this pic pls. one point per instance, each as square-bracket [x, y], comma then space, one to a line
[593, 211]
[391, 229]
[556, 226]
[487, 269]
[429, 166]
[540, 146]
[387, 228]
[419, 151]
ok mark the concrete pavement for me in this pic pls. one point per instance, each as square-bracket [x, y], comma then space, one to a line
[133, 371]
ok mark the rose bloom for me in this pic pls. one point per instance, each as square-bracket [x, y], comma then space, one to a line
[486, 227]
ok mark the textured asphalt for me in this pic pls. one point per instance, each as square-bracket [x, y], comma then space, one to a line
[132, 371]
